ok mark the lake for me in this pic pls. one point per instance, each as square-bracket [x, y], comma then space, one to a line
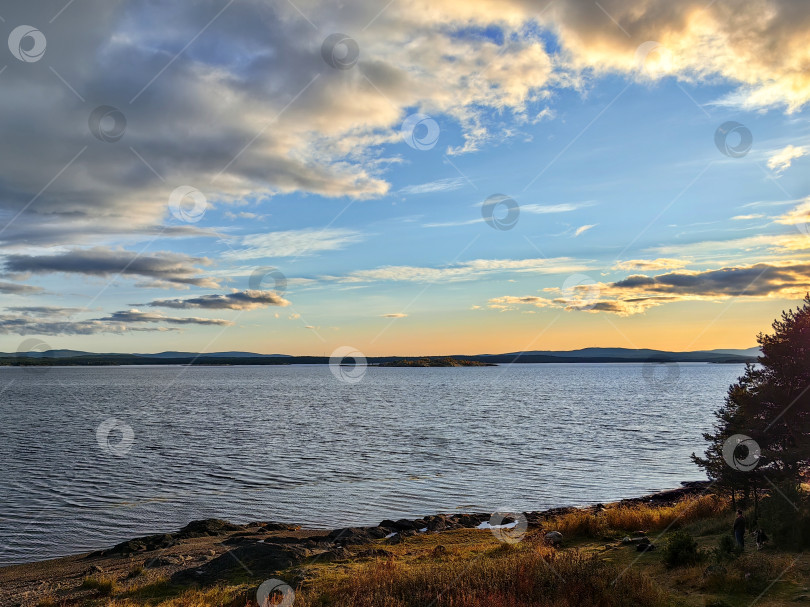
[93, 456]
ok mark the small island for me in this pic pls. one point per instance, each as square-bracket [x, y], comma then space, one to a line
[427, 361]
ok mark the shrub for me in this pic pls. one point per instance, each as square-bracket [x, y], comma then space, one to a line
[681, 550]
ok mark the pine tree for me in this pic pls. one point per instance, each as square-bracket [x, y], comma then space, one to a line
[770, 404]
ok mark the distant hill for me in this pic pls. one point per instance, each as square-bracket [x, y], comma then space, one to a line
[207, 355]
[584, 355]
[642, 354]
[78, 353]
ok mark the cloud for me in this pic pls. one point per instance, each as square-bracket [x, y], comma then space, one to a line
[12, 288]
[462, 271]
[396, 315]
[161, 267]
[509, 302]
[639, 292]
[564, 207]
[294, 243]
[260, 126]
[440, 185]
[760, 279]
[583, 229]
[798, 216]
[781, 160]
[747, 217]
[240, 300]
[45, 311]
[136, 316]
[662, 263]
[533, 209]
[27, 326]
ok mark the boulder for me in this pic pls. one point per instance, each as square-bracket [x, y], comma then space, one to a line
[260, 559]
[338, 553]
[645, 547]
[356, 535]
[469, 520]
[553, 538]
[436, 523]
[207, 527]
[162, 561]
[146, 543]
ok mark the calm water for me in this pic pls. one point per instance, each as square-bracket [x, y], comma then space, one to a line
[295, 444]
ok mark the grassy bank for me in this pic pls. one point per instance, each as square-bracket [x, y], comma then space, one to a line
[595, 566]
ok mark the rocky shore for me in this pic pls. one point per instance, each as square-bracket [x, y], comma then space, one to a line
[208, 551]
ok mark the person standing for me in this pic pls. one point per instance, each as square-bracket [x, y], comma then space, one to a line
[739, 529]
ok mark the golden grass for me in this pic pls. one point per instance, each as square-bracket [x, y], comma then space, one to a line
[638, 517]
[471, 568]
[513, 576]
[217, 596]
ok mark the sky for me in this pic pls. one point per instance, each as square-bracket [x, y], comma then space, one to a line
[407, 178]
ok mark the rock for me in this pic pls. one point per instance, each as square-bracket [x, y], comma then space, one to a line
[436, 523]
[469, 520]
[261, 558]
[207, 527]
[627, 540]
[147, 543]
[351, 535]
[96, 569]
[394, 539]
[645, 547]
[162, 561]
[338, 553]
[553, 538]
[402, 525]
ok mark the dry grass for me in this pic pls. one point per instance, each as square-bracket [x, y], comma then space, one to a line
[105, 586]
[639, 517]
[218, 596]
[503, 577]
[471, 568]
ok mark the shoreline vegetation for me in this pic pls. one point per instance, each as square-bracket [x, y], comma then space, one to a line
[607, 554]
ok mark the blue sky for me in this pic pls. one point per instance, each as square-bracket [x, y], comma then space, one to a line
[635, 229]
